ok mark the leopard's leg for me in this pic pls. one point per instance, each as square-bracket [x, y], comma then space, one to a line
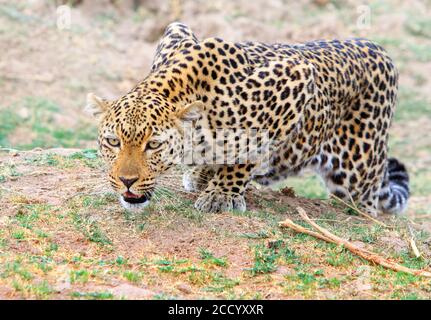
[353, 163]
[279, 170]
[197, 178]
[353, 186]
[226, 189]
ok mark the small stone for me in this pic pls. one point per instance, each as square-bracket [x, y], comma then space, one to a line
[185, 288]
[132, 292]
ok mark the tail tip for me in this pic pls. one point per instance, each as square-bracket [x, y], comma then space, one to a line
[395, 195]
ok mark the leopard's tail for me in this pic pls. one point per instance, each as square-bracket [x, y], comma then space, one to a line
[395, 190]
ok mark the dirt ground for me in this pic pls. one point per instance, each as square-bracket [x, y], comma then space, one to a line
[63, 234]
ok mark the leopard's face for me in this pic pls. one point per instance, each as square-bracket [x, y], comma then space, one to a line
[139, 145]
[136, 163]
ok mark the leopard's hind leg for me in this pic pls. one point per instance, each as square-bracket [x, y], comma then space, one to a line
[353, 162]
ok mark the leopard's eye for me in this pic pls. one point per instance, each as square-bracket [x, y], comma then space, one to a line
[113, 142]
[152, 145]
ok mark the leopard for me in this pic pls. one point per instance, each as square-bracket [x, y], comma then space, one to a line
[324, 105]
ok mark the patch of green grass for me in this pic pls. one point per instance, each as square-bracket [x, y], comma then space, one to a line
[411, 106]
[56, 160]
[132, 276]
[16, 267]
[368, 234]
[302, 237]
[339, 257]
[90, 229]
[264, 260]
[172, 265]
[421, 52]
[404, 279]
[402, 295]
[80, 276]
[85, 154]
[138, 219]
[28, 214]
[18, 235]
[387, 41]
[331, 283]
[262, 234]
[221, 283]
[3, 243]
[350, 211]
[208, 257]
[89, 157]
[37, 116]
[41, 234]
[303, 282]
[288, 255]
[10, 121]
[95, 234]
[272, 205]
[306, 279]
[413, 262]
[41, 290]
[167, 268]
[173, 203]
[120, 261]
[264, 214]
[192, 214]
[308, 186]
[46, 159]
[52, 247]
[188, 269]
[14, 12]
[92, 295]
[26, 220]
[418, 26]
[8, 172]
[44, 263]
[97, 201]
[420, 182]
[404, 50]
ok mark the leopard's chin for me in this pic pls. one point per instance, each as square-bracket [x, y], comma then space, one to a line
[131, 201]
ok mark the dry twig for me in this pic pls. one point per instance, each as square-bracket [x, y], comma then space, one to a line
[359, 211]
[324, 234]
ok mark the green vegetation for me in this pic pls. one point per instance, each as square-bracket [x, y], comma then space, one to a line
[209, 258]
[132, 276]
[412, 106]
[38, 119]
[309, 186]
[8, 172]
[264, 260]
[90, 229]
[92, 295]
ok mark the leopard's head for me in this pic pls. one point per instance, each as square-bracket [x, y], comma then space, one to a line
[140, 138]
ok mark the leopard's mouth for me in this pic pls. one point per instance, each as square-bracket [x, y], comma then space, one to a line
[129, 200]
[130, 197]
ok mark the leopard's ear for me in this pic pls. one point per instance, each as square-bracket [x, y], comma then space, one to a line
[191, 112]
[95, 106]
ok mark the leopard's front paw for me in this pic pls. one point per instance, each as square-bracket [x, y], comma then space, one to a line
[213, 201]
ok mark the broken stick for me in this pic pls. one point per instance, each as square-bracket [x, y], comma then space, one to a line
[325, 235]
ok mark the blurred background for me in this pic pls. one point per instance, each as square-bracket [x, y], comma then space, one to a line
[52, 53]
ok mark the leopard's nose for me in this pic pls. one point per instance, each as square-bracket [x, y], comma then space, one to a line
[128, 182]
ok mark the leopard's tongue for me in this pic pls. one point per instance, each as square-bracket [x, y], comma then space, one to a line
[128, 194]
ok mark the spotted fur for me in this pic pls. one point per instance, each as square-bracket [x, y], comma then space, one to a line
[327, 105]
